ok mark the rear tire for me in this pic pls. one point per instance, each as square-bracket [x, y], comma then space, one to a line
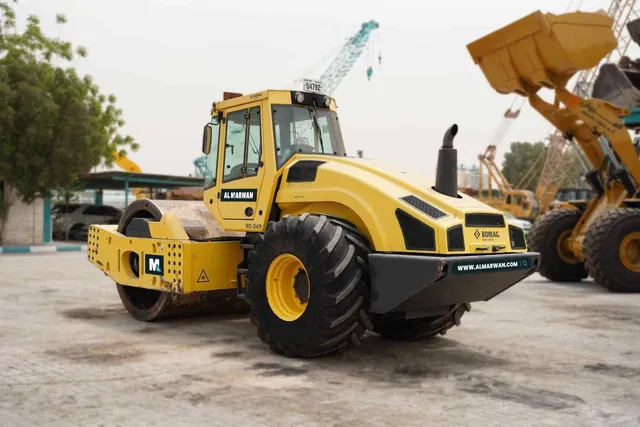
[422, 328]
[333, 317]
[556, 263]
[609, 259]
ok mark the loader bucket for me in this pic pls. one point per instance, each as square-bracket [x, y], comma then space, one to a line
[617, 86]
[543, 50]
[634, 30]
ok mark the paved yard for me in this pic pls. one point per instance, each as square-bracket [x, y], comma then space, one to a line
[540, 354]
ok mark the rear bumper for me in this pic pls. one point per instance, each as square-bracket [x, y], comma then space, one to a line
[413, 285]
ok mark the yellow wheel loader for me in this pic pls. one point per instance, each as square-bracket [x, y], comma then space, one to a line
[600, 238]
[320, 246]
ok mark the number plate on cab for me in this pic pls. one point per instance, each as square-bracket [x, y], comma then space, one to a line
[312, 86]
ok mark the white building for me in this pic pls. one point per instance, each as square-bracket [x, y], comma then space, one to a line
[24, 224]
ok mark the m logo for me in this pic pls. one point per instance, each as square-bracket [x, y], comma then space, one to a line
[154, 264]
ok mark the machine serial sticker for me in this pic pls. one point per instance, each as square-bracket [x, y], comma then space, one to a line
[238, 195]
[154, 264]
[484, 266]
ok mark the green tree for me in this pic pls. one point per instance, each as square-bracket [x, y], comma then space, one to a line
[522, 156]
[55, 125]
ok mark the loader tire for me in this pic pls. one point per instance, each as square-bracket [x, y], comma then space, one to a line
[325, 263]
[422, 328]
[612, 250]
[556, 262]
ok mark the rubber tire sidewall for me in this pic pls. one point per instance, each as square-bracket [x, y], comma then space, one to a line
[602, 245]
[543, 238]
[300, 337]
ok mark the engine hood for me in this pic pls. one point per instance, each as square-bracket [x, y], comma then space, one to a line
[398, 183]
[374, 196]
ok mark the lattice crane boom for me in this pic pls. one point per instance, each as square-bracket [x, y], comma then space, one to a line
[347, 57]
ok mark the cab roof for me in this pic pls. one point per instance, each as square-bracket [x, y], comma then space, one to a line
[279, 96]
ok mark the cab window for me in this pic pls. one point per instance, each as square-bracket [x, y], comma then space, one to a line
[518, 200]
[211, 165]
[242, 148]
[296, 131]
[255, 142]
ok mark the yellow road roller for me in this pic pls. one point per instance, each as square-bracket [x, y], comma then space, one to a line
[317, 245]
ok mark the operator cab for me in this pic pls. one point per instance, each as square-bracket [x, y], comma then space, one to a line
[521, 204]
[246, 149]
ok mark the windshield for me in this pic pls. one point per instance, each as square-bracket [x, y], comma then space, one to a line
[295, 131]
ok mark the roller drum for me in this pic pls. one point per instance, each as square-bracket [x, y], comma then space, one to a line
[150, 305]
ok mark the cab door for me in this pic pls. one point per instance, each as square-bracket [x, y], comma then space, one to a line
[242, 170]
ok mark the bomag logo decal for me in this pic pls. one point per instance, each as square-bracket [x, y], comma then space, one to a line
[486, 234]
[238, 195]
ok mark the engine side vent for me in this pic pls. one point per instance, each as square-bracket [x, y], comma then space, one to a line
[304, 171]
[455, 238]
[424, 207]
[517, 238]
[484, 220]
[417, 235]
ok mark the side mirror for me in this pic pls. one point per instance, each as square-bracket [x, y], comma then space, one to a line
[206, 139]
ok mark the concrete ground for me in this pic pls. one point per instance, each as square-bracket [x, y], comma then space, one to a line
[539, 354]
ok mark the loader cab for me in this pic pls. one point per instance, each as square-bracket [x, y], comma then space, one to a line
[248, 143]
[521, 203]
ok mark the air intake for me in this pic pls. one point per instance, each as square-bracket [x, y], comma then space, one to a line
[424, 207]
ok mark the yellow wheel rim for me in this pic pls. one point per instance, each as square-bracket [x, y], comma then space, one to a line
[630, 252]
[562, 246]
[287, 287]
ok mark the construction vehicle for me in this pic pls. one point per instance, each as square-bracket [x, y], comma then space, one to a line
[320, 245]
[520, 203]
[543, 51]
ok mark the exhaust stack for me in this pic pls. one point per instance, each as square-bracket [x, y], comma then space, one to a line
[447, 168]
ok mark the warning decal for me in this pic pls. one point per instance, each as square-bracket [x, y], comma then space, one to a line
[203, 278]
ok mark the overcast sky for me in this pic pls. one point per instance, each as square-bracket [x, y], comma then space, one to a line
[167, 60]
